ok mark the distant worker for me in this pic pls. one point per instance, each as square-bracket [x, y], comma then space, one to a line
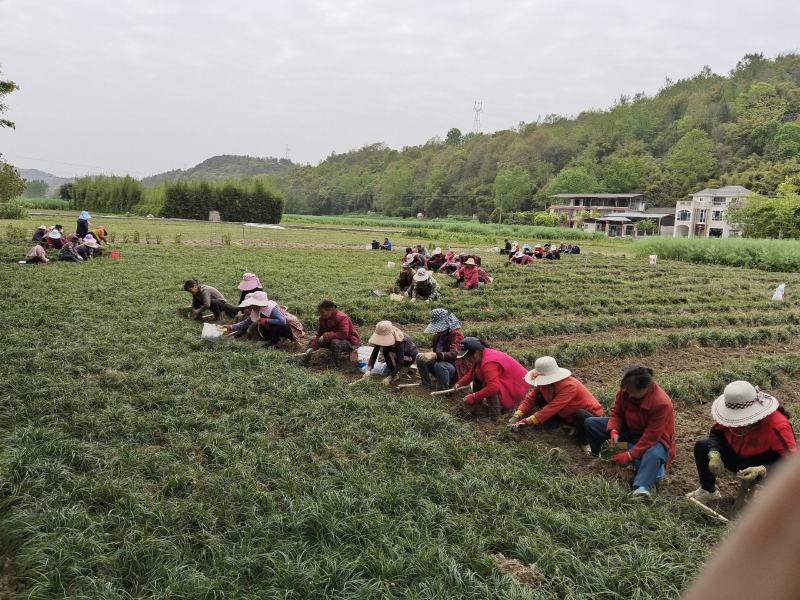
[436, 260]
[37, 254]
[83, 224]
[405, 280]
[642, 416]
[205, 297]
[424, 286]
[498, 380]
[248, 284]
[751, 434]
[335, 332]
[40, 234]
[557, 397]
[387, 244]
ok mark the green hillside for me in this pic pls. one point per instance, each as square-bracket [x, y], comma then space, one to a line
[707, 130]
[225, 166]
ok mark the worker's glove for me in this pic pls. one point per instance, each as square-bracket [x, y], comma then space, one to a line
[715, 464]
[622, 458]
[428, 356]
[752, 473]
[532, 420]
[614, 436]
[387, 381]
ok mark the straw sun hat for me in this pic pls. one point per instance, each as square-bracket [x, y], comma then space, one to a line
[250, 281]
[422, 274]
[742, 404]
[546, 371]
[386, 334]
[255, 299]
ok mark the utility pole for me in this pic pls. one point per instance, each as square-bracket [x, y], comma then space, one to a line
[477, 106]
[287, 152]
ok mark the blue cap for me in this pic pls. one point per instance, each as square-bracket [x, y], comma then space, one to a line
[84, 216]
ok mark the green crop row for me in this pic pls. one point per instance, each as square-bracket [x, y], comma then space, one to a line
[769, 255]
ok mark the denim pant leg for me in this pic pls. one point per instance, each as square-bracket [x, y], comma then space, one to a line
[445, 373]
[655, 456]
[595, 428]
[424, 370]
[578, 419]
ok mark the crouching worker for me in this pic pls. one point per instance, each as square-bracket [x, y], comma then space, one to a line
[498, 383]
[205, 297]
[560, 398]
[424, 286]
[751, 434]
[399, 350]
[335, 332]
[446, 343]
[642, 416]
[405, 280]
[271, 320]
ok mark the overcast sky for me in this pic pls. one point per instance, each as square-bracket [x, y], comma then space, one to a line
[143, 86]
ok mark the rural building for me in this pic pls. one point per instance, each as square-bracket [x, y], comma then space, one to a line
[601, 205]
[706, 214]
[625, 223]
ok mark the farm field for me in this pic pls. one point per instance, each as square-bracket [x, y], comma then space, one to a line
[139, 462]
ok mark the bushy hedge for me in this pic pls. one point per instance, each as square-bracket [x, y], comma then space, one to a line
[111, 194]
[235, 200]
[12, 210]
[768, 255]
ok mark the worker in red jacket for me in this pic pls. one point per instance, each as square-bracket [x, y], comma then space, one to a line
[559, 396]
[642, 416]
[336, 332]
[751, 433]
[498, 380]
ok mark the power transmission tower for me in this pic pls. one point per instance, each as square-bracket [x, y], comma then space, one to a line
[478, 108]
[287, 151]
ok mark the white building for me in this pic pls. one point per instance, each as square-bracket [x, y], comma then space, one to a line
[706, 214]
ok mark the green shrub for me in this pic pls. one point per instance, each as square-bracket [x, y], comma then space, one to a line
[16, 233]
[12, 210]
[235, 200]
[43, 203]
[768, 255]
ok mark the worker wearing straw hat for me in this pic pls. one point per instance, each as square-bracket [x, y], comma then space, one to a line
[399, 350]
[272, 321]
[560, 398]
[642, 416]
[446, 343]
[249, 283]
[424, 286]
[751, 433]
[436, 259]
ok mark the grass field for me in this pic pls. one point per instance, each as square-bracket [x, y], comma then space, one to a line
[138, 462]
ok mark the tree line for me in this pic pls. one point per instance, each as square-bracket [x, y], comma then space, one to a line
[706, 130]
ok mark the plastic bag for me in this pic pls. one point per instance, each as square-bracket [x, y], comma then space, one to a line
[210, 333]
[779, 291]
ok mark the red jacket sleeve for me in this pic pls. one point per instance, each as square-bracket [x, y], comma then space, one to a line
[467, 377]
[341, 331]
[526, 406]
[491, 381]
[615, 416]
[786, 439]
[564, 394]
[657, 422]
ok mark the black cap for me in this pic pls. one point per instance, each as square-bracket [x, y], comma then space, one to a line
[469, 344]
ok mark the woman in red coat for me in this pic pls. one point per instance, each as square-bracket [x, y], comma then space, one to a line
[751, 433]
[559, 397]
[642, 416]
[497, 379]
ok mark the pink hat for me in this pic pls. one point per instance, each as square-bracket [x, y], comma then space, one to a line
[250, 281]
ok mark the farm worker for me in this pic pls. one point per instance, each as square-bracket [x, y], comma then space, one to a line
[751, 433]
[36, 254]
[39, 234]
[89, 248]
[414, 259]
[642, 416]
[69, 251]
[424, 287]
[521, 258]
[526, 249]
[467, 276]
[559, 396]
[387, 244]
[422, 251]
[451, 264]
[446, 343]
[83, 224]
[205, 297]
[506, 249]
[436, 260]
[249, 283]
[399, 350]
[497, 378]
[100, 232]
[271, 320]
[335, 332]
[55, 239]
[404, 280]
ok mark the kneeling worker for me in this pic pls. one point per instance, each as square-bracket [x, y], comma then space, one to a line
[335, 332]
[751, 434]
[446, 343]
[560, 398]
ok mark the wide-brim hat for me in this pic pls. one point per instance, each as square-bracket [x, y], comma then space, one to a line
[250, 281]
[84, 216]
[470, 261]
[436, 251]
[54, 235]
[89, 238]
[255, 299]
[742, 404]
[385, 334]
[422, 275]
[546, 372]
[90, 243]
[519, 255]
[41, 227]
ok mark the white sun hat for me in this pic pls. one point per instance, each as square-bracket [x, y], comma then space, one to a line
[436, 251]
[55, 234]
[385, 334]
[422, 274]
[255, 299]
[742, 404]
[546, 371]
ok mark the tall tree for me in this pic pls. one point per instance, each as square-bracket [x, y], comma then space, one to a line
[11, 184]
[36, 188]
[6, 87]
[512, 188]
[691, 160]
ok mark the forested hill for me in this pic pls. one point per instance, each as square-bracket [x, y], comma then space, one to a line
[223, 167]
[707, 130]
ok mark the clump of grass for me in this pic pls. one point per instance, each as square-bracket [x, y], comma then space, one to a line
[768, 255]
[15, 233]
[178, 238]
[136, 237]
[125, 238]
[226, 239]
